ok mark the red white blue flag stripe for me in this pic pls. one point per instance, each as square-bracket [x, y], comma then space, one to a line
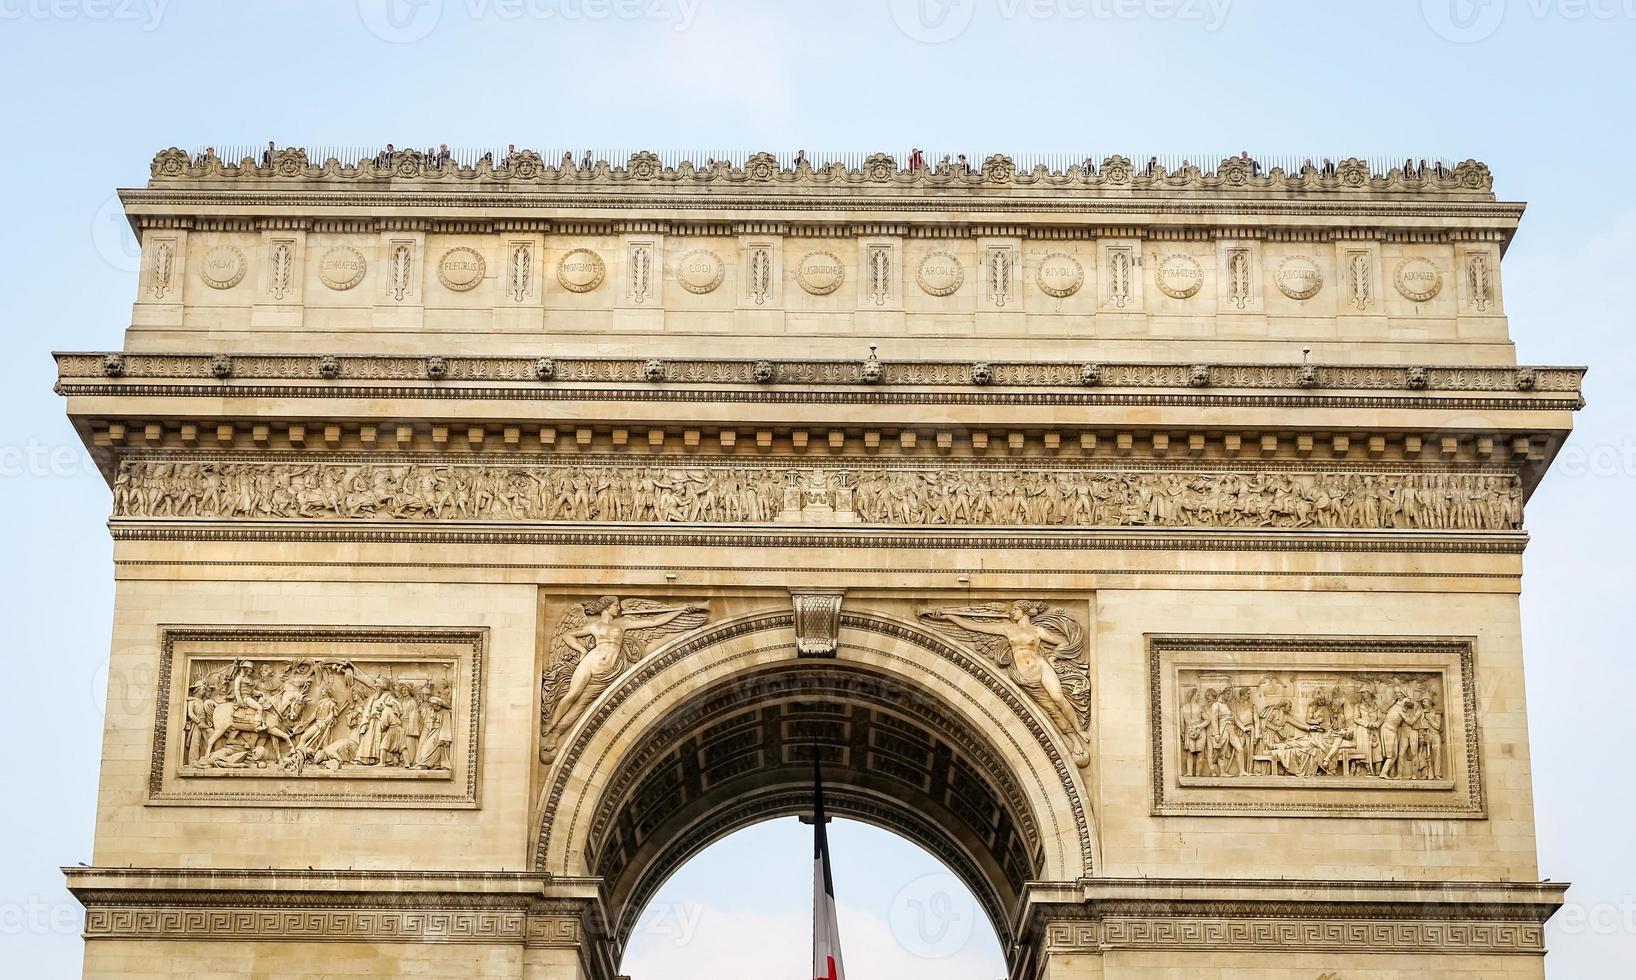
[826, 934]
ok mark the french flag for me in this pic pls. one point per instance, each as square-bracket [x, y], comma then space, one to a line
[826, 934]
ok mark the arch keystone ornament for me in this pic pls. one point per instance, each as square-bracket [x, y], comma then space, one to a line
[1158, 618]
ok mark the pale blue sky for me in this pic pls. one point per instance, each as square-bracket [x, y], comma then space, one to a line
[1540, 89]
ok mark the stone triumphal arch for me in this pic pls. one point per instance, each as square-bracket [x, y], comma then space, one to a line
[492, 537]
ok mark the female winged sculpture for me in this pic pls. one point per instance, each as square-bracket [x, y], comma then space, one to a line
[595, 643]
[1040, 649]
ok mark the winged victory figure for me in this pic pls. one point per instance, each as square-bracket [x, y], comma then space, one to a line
[595, 643]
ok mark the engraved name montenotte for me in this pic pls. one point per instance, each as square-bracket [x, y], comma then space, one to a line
[1179, 275]
[1418, 279]
[1299, 277]
[700, 271]
[820, 273]
[581, 271]
[670, 492]
[940, 274]
[223, 267]
[1060, 275]
[460, 269]
[342, 267]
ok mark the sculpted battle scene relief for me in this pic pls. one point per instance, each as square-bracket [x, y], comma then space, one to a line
[1041, 649]
[1312, 725]
[295, 717]
[669, 492]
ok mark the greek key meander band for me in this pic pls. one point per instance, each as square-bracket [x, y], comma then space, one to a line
[518, 927]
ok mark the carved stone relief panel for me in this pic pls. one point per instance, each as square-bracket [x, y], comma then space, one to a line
[1119, 287]
[1001, 279]
[520, 274]
[161, 270]
[1327, 725]
[318, 716]
[1360, 279]
[581, 489]
[641, 272]
[1239, 276]
[879, 274]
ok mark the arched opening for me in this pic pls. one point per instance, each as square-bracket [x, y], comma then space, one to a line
[742, 907]
[716, 733]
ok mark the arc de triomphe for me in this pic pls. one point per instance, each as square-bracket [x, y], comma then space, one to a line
[490, 539]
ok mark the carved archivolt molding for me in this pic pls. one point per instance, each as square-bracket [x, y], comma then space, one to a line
[666, 492]
[880, 172]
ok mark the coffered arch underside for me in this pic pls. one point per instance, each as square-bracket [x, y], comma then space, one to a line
[715, 732]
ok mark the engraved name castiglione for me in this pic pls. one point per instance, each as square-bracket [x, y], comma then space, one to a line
[820, 273]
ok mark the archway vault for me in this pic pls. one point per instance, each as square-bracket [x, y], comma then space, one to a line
[716, 731]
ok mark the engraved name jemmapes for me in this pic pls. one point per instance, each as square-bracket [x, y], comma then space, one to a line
[1239, 725]
[295, 717]
[732, 495]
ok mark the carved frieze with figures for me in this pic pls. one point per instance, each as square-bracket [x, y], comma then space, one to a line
[1323, 725]
[318, 716]
[668, 491]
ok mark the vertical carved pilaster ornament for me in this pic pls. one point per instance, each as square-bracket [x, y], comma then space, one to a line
[999, 275]
[280, 260]
[1238, 277]
[402, 263]
[880, 275]
[1479, 280]
[164, 264]
[641, 272]
[1119, 288]
[1358, 280]
[761, 274]
[519, 269]
[817, 621]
